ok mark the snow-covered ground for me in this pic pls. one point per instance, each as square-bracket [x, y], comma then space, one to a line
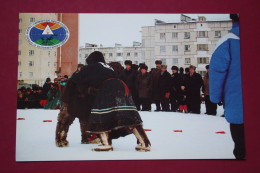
[35, 139]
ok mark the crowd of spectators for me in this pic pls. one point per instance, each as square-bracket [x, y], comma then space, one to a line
[46, 97]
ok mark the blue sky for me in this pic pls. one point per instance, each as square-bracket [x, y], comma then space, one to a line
[108, 29]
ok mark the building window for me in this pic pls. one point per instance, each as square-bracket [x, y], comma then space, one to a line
[20, 41]
[55, 53]
[175, 61]
[49, 64]
[31, 52]
[32, 19]
[163, 61]
[30, 63]
[136, 62]
[119, 54]
[19, 63]
[20, 31]
[187, 61]
[80, 55]
[187, 48]
[110, 54]
[175, 35]
[19, 52]
[49, 53]
[128, 54]
[104, 54]
[186, 35]
[55, 64]
[202, 47]
[217, 34]
[30, 74]
[202, 34]
[162, 49]
[143, 43]
[20, 74]
[174, 48]
[162, 36]
[86, 55]
[136, 54]
[174, 26]
[203, 60]
[20, 20]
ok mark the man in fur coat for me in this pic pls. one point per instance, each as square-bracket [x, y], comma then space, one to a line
[112, 113]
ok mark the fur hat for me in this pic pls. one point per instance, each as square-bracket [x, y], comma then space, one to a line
[164, 66]
[141, 64]
[234, 17]
[143, 67]
[193, 67]
[128, 62]
[135, 67]
[158, 62]
[207, 66]
[95, 57]
[187, 69]
[175, 68]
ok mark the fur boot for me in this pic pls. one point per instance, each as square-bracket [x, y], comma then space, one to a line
[88, 138]
[105, 146]
[143, 143]
[64, 121]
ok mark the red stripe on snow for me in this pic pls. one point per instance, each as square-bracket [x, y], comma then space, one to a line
[221, 132]
[20, 118]
[47, 121]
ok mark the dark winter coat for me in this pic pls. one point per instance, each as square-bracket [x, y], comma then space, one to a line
[45, 89]
[194, 83]
[129, 77]
[144, 85]
[155, 74]
[165, 83]
[176, 85]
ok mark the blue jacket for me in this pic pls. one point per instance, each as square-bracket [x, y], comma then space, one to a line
[225, 76]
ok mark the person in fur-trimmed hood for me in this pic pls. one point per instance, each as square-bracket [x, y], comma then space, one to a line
[113, 113]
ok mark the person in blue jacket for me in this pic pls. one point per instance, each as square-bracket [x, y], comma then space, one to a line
[225, 84]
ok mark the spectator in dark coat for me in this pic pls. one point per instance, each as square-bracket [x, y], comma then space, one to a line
[46, 87]
[211, 108]
[156, 73]
[164, 87]
[194, 83]
[20, 101]
[144, 88]
[175, 89]
[184, 82]
[129, 77]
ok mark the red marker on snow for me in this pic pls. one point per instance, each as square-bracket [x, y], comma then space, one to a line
[47, 121]
[221, 132]
[20, 118]
[177, 130]
[147, 130]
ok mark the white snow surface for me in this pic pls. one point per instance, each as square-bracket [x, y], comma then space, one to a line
[35, 139]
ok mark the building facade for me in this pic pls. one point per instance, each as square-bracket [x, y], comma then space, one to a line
[35, 64]
[188, 42]
[112, 54]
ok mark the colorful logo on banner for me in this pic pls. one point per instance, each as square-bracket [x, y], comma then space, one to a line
[47, 34]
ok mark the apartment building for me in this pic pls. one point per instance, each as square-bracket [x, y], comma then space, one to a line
[36, 64]
[184, 43]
